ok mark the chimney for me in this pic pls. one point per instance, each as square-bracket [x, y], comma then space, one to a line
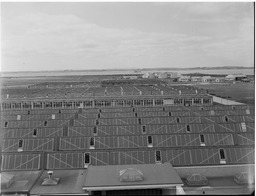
[196, 91]
[7, 96]
[180, 92]
[50, 174]
[50, 181]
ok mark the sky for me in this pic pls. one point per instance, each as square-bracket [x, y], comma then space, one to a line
[87, 35]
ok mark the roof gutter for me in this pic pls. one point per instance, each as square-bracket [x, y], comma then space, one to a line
[101, 188]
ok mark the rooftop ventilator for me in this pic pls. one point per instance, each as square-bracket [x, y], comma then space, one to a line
[50, 181]
[131, 175]
[196, 180]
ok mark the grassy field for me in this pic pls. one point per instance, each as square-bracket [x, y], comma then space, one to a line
[241, 92]
[24, 81]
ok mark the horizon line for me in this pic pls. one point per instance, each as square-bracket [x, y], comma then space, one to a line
[134, 69]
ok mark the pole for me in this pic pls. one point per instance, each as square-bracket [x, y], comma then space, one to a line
[227, 94]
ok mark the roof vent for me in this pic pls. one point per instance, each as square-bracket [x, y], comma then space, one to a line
[196, 180]
[244, 178]
[6, 180]
[50, 181]
[131, 175]
[247, 111]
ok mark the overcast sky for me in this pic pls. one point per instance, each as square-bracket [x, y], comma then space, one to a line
[58, 36]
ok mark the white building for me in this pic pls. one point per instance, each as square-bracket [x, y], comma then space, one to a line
[167, 75]
[130, 77]
[219, 79]
[184, 79]
[149, 75]
[163, 75]
[206, 78]
[172, 74]
[235, 76]
[196, 79]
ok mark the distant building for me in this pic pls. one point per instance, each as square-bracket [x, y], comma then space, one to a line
[246, 80]
[206, 78]
[235, 77]
[145, 75]
[149, 75]
[130, 77]
[167, 75]
[163, 75]
[196, 79]
[211, 80]
[230, 77]
[172, 75]
[219, 79]
[184, 79]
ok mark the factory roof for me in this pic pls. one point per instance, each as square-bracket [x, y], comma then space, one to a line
[70, 182]
[154, 176]
[23, 181]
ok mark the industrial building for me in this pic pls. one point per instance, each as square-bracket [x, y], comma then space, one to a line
[236, 77]
[184, 79]
[123, 137]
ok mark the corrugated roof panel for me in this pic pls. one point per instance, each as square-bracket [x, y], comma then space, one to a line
[244, 155]
[22, 161]
[84, 122]
[36, 123]
[28, 132]
[80, 131]
[87, 115]
[250, 126]
[184, 112]
[65, 160]
[246, 138]
[106, 110]
[42, 144]
[10, 145]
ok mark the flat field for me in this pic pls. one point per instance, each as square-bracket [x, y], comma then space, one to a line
[241, 92]
[26, 80]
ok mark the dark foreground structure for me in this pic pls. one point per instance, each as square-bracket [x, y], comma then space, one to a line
[123, 138]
